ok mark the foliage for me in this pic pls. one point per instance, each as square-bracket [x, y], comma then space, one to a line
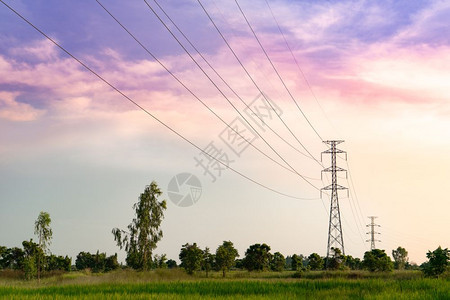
[144, 231]
[296, 262]
[3, 252]
[335, 262]
[377, 260]
[171, 264]
[44, 232]
[12, 258]
[353, 263]
[62, 263]
[438, 261]
[208, 261]
[239, 263]
[315, 262]
[400, 256]
[191, 257]
[32, 254]
[98, 262]
[278, 262]
[257, 257]
[29, 267]
[160, 261]
[226, 256]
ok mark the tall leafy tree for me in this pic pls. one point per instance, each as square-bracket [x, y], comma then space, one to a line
[315, 262]
[400, 256]
[191, 257]
[226, 256]
[44, 232]
[144, 232]
[257, 257]
[438, 261]
[377, 260]
[278, 262]
[296, 262]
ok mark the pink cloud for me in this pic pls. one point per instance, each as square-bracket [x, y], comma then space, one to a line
[12, 110]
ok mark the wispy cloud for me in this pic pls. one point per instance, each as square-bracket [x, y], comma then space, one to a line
[11, 109]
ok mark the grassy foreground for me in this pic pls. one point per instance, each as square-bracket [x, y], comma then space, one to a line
[174, 284]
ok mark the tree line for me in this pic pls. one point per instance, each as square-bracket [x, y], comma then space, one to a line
[140, 238]
[259, 258]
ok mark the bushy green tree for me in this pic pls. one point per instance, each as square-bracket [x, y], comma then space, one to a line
[377, 260]
[336, 261]
[353, 263]
[226, 256]
[144, 232]
[191, 257]
[32, 252]
[315, 262]
[3, 252]
[278, 262]
[12, 258]
[257, 257]
[98, 262]
[438, 261]
[296, 262]
[171, 264]
[400, 256]
[84, 260]
[62, 263]
[111, 263]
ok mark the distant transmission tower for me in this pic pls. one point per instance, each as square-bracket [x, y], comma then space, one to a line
[335, 237]
[372, 232]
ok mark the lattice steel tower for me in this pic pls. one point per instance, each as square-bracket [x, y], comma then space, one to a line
[372, 232]
[335, 237]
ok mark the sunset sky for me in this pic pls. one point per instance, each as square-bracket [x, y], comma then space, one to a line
[373, 73]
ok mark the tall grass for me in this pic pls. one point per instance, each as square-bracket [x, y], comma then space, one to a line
[175, 284]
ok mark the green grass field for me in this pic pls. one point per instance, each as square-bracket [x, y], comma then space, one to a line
[175, 284]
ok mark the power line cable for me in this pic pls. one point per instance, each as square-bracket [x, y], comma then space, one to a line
[223, 94]
[298, 65]
[202, 102]
[356, 221]
[223, 80]
[354, 189]
[257, 64]
[142, 108]
[252, 80]
[276, 71]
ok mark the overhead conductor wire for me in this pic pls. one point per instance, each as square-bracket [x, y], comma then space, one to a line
[252, 80]
[275, 69]
[142, 108]
[148, 51]
[221, 78]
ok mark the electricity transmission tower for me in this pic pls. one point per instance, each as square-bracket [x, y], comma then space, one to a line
[372, 232]
[335, 237]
